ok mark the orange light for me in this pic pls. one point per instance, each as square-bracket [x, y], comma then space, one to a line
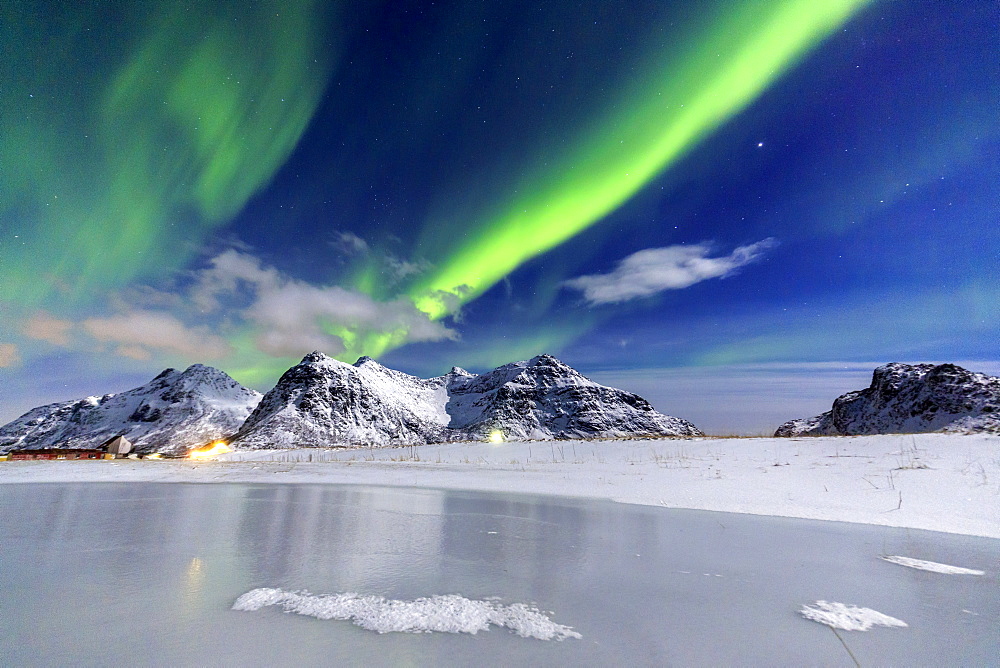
[217, 448]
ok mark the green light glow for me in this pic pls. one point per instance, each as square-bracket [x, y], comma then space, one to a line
[119, 157]
[371, 343]
[674, 106]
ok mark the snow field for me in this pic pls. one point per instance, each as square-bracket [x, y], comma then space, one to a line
[938, 482]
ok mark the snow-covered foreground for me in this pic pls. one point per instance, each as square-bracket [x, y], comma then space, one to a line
[937, 482]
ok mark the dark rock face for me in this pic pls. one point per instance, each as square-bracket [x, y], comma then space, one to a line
[325, 403]
[906, 398]
[172, 413]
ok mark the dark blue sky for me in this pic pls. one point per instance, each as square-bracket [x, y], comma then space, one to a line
[449, 183]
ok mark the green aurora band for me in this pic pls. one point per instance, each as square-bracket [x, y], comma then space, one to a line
[121, 155]
[124, 146]
[679, 101]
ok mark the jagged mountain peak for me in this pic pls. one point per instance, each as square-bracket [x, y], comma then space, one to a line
[545, 398]
[321, 358]
[369, 404]
[203, 370]
[546, 360]
[325, 402]
[171, 413]
[542, 370]
[904, 398]
[168, 372]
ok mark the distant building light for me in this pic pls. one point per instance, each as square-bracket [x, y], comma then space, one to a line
[217, 448]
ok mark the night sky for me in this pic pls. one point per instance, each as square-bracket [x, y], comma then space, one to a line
[737, 209]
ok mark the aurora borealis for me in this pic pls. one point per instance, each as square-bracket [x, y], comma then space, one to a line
[671, 107]
[635, 187]
[116, 155]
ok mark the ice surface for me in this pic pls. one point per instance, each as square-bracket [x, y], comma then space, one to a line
[449, 613]
[847, 617]
[932, 566]
[629, 579]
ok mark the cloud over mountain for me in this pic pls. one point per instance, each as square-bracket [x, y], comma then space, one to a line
[290, 315]
[138, 331]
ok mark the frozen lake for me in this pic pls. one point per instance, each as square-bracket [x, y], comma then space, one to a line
[147, 574]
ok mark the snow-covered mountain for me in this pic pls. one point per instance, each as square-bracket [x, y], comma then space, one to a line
[908, 398]
[322, 402]
[544, 398]
[175, 411]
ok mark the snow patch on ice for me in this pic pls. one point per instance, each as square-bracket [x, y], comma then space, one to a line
[847, 617]
[931, 566]
[449, 613]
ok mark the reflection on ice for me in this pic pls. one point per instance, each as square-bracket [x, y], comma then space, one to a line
[932, 566]
[450, 613]
[847, 617]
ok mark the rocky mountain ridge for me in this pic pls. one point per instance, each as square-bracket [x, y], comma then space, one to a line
[174, 412]
[543, 398]
[910, 398]
[322, 402]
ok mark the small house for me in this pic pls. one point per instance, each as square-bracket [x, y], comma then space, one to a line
[118, 447]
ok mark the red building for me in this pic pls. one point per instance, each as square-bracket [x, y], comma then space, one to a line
[56, 453]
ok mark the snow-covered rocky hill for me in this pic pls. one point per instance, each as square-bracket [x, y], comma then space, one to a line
[322, 402]
[905, 398]
[172, 413]
[543, 398]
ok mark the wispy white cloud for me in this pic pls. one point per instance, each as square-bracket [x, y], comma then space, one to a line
[293, 317]
[134, 352]
[349, 243]
[392, 269]
[237, 292]
[656, 270]
[139, 332]
[226, 274]
[8, 355]
[45, 327]
[396, 269]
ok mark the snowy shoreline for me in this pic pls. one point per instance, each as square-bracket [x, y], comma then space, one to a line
[936, 482]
